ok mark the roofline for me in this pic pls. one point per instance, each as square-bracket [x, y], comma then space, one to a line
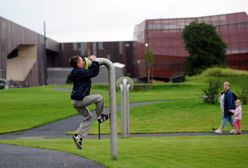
[195, 17]
[28, 29]
[126, 41]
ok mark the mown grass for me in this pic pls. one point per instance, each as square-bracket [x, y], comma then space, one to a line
[31, 107]
[185, 112]
[173, 116]
[156, 152]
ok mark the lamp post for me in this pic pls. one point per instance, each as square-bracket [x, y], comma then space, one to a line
[126, 58]
[147, 62]
[45, 64]
[146, 45]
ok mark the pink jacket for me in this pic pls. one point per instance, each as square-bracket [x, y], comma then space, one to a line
[237, 113]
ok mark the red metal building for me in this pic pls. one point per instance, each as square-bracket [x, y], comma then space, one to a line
[164, 38]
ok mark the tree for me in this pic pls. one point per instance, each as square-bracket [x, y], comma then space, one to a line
[149, 63]
[205, 47]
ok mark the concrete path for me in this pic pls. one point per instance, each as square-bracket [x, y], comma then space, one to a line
[25, 157]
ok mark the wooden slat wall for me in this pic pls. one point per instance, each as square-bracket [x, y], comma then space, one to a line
[11, 36]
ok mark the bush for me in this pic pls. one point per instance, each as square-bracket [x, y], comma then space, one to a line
[223, 72]
[3, 84]
[211, 93]
[242, 93]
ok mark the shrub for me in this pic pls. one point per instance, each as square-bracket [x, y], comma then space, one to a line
[243, 93]
[211, 92]
[222, 72]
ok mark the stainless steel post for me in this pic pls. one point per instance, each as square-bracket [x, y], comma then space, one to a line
[128, 114]
[124, 108]
[125, 84]
[112, 106]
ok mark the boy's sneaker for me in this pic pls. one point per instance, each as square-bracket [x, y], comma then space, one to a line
[218, 131]
[103, 118]
[232, 131]
[78, 141]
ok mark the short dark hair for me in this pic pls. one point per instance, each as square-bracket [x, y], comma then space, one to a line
[74, 60]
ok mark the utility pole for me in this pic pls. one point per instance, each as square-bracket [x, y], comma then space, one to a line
[45, 55]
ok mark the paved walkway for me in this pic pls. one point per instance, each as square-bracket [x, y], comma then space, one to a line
[25, 157]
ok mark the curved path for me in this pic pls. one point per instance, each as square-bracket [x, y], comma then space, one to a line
[59, 128]
[25, 157]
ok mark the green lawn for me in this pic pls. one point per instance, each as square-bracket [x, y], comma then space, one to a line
[174, 116]
[157, 152]
[31, 107]
[184, 112]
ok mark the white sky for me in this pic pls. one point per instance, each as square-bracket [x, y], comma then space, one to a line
[106, 20]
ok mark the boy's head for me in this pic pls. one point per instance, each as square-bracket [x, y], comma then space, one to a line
[77, 61]
[237, 103]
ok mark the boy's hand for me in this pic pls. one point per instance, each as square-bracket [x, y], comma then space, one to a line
[92, 57]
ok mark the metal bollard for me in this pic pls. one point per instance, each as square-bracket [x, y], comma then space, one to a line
[125, 84]
[112, 106]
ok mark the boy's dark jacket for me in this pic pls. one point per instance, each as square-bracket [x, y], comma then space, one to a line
[81, 79]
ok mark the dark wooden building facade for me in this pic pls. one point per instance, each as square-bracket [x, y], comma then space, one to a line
[22, 54]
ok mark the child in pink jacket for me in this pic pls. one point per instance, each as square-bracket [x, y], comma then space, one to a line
[237, 116]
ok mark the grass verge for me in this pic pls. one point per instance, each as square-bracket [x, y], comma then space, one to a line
[157, 152]
[174, 116]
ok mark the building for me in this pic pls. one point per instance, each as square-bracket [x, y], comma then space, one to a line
[27, 58]
[117, 52]
[164, 38]
[22, 54]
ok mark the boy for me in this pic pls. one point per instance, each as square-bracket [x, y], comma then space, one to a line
[80, 96]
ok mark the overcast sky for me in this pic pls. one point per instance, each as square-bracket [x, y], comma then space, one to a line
[106, 20]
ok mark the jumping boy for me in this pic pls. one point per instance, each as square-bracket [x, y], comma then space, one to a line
[80, 96]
